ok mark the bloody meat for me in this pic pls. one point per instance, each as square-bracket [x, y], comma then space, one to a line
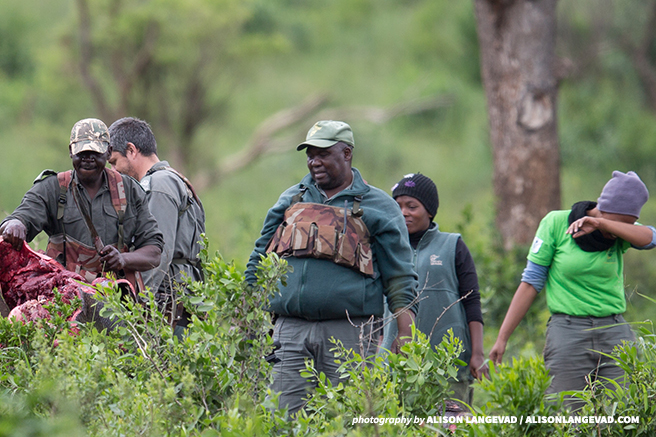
[27, 281]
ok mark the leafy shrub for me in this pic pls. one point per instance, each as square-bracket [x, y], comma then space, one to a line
[635, 398]
[24, 415]
[518, 390]
[410, 384]
[140, 379]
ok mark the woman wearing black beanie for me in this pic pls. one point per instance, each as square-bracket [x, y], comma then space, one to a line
[446, 274]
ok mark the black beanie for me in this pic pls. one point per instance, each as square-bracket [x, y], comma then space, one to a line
[421, 188]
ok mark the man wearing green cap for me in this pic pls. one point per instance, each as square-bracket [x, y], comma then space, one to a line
[347, 243]
[97, 221]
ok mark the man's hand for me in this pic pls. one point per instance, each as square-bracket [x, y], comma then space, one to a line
[478, 367]
[14, 232]
[142, 259]
[404, 321]
[111, 259]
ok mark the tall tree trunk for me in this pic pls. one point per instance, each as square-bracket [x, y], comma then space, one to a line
[517, 41]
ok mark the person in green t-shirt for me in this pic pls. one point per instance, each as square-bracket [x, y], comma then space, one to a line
[576, 257]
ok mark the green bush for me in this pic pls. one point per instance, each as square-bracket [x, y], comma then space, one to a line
[140, 379]
[635, 398]
[518, 390]
[411, 384]
[27, 415]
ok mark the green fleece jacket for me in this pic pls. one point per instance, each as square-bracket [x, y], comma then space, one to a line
[318, 289]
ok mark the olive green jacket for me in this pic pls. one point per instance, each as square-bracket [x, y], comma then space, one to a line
[319, 289]
[38, 212]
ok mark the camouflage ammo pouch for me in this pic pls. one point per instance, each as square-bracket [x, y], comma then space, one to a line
[314, 230]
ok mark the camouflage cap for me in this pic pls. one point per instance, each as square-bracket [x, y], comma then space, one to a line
[89, 134]
[327, 133]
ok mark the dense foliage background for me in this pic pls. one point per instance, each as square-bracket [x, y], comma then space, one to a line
[210, 74]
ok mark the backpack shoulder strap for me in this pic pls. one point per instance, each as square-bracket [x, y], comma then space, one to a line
[64, 179]
[182, 177]
[119, 200]
[357, 211]
[191, 193]
[44, 174]
[117, 190]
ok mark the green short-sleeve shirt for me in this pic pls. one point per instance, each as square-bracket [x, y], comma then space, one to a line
[579, 283]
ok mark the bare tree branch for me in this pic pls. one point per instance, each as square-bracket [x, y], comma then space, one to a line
[264, 140]
[380, 115]
[194, 113]
[447, 309]
[142, 60]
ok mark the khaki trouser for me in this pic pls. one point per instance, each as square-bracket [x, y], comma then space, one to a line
[302, 340]
[572, 351]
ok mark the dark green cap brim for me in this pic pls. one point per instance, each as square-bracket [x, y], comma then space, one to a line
[322, 144]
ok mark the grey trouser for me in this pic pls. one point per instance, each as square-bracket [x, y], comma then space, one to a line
[302, 340]
[572, 351]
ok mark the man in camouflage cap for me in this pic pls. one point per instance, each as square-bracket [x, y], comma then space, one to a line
[123, 236]
[89, 134]
[347, 243]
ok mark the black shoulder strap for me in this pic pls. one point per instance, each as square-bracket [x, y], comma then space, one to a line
[357, 211]
[299, 196]
[44, 174]
[64, 178]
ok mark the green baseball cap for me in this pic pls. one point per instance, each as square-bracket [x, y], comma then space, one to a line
[89, 134]
[327, 133]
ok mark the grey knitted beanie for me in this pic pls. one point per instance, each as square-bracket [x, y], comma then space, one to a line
[421, 188]
[625, 194]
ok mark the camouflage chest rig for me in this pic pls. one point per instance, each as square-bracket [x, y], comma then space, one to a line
[76, 256]
[314, 230]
